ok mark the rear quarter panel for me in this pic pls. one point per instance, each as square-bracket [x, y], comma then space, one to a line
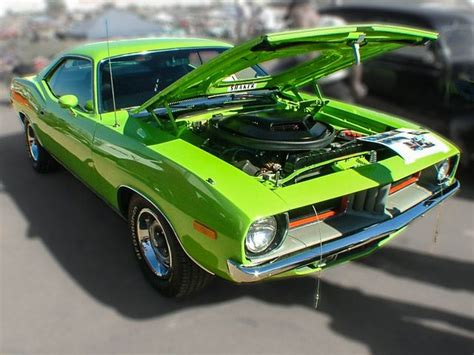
[27, 100]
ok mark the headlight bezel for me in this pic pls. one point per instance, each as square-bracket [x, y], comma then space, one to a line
[281, 222]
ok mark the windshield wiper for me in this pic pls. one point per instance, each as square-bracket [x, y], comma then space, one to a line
[204, 103]
[212, 101]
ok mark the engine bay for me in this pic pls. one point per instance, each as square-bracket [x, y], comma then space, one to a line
[281, 145]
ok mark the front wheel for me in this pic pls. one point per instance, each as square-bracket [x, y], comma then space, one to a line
[160, 256]
[40, 159]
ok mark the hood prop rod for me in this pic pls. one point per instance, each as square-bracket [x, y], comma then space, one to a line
[171, 116]
[156, 118]
[317, 92]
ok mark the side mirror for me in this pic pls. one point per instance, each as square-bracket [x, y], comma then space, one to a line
[68, 101]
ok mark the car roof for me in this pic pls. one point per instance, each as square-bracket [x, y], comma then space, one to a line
[430, 15]
[99, 50]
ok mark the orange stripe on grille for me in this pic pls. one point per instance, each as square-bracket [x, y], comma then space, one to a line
[405, 183]
[306, 220]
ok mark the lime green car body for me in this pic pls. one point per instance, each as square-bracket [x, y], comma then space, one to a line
[119, 153]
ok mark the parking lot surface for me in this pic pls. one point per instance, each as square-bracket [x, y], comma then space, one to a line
[70, 284]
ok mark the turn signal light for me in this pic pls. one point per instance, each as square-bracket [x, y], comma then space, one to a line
[201, 228]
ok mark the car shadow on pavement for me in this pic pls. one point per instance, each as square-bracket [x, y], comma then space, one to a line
[91, 244]
[386, 326]
[433, 269]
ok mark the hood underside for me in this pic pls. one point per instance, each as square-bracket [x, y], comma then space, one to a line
[335, 48]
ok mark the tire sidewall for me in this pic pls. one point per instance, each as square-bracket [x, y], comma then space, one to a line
[35, 163]
[45, 163]
[163, 284]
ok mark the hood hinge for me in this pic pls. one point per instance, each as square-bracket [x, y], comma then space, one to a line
[356, 46]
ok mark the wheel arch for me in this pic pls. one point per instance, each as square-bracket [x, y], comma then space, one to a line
[22, 118]
[124, 196]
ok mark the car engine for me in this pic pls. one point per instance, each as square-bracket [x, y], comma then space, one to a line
[273, 144]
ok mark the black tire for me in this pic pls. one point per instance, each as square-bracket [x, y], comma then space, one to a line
[183, 277]
[40, 159]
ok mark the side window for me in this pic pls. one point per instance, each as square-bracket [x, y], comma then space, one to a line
[73, 77]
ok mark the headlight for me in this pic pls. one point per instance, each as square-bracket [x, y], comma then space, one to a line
[261, 234]
[442, 170]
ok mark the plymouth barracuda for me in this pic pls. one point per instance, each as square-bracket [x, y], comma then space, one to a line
[222, 169]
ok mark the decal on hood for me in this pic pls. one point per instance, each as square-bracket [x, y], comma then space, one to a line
[411, 145]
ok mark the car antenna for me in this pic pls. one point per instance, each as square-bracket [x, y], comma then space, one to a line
[320, 265]
[110, 72]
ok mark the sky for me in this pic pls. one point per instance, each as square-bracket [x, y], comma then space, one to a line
[28, 5]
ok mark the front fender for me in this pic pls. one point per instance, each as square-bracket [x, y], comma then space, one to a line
[186, 184]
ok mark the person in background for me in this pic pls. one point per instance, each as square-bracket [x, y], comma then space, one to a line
[344, 84]
[243, 11]
[263, 20]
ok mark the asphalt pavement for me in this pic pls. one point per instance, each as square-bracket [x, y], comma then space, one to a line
[70, 284]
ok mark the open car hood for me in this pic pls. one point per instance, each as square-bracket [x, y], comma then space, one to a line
[335, 48]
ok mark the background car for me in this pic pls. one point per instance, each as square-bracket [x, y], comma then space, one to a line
[436, 80]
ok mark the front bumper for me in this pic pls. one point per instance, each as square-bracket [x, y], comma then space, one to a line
[242, 273]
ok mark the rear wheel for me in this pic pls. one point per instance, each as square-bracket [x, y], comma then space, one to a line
[160, 256]
[40, 159]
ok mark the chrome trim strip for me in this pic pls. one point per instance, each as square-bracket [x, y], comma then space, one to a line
[171, 226]
[242, 273]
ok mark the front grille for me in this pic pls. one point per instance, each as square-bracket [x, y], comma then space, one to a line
[372, 200]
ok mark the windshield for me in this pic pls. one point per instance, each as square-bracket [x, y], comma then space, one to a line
[138, 77]
[459, 40]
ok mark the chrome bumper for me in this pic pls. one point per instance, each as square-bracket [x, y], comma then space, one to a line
[242, 273]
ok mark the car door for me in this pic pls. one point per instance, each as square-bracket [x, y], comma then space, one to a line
[71, 129]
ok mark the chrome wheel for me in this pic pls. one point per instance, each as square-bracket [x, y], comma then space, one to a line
[32, 143]
[153, 243]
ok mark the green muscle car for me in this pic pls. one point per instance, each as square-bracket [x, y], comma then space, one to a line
[222, 169]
